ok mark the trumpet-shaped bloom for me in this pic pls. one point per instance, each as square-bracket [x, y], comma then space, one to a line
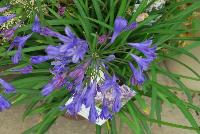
[4, 19]
[137, 77]
[142, 62]
[8, 88]
[121, 24]
[25, 70]
[145, 48]
[4, 104]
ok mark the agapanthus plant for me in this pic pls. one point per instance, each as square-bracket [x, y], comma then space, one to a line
[93, 53]
[77, 67]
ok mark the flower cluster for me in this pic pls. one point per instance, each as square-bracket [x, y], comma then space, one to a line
[80, 73]
[80, 69]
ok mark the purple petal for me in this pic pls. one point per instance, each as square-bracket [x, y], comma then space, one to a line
[17, 57]
[8, 88]
[119, 25]
[93, 115]
[4, 104]
[4, 19]
[2, 9]
[36, 25]
[69, 32]
[38, 59]
[47, 89]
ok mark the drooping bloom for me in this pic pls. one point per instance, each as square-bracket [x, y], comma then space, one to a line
[93, 115]
[9, 33]
[145, 48]
[142, 62]
[57, 82]
[4, 104]
[19, 42]
[38, 59]
[105, 113]
[90, 94]
[121, 24]
[8, 88]
[25, 70]
[2, 9]
[17, 57]
[4, 19]
[137, 77]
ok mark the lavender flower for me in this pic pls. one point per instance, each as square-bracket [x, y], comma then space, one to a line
[144, 47]
[9, 33]
[90, 94]
[78, 74]
[142, 62]
[25, 70]
[93, 115]
[105, 113]
[56, 82]
[137, 77]
[8, 88]
[18, 56]
[4, 19]
[121, 24]
[48, 89]
[4, 104]
[39, 59]
[2, 9]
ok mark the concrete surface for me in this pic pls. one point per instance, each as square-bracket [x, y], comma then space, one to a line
[11, 120]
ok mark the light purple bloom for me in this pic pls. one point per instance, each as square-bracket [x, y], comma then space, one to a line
[38, 59]
[117, 105]
[145, 48]
[8, 88]
[78, 73]
[52, 51]
[105, 113]
[45, 31]
[131, 26]
[25, 70]
[47, 89]
[93, 115]
[18, 56]
[9, 33]
[2, 9]
[4, 19]
[142, 62]
[137, 77]
[110, 58]
[57, 82]
[90, 94]
[19, 41]
[119, 25]
[36, 25]
[4, 104]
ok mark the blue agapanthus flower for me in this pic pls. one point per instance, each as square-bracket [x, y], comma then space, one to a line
[8, 88]
[4, 104]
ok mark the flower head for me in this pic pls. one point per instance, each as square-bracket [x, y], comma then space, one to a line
[4, 104]
[4, 19]
[137, 77]
[8, 88]
[142, 62]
